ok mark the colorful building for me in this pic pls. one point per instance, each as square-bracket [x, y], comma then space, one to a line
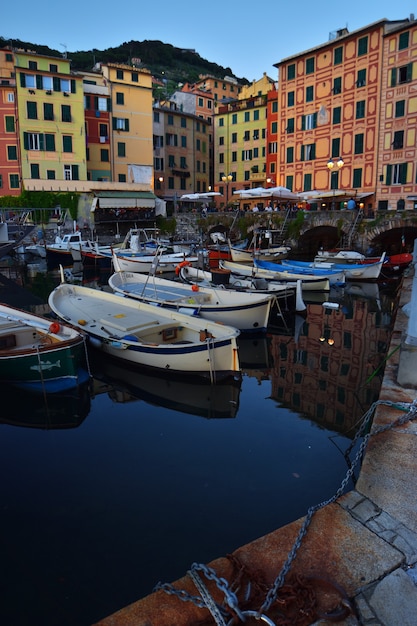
[10, 170]
[97, 107]
[396, 181]
[329, 117]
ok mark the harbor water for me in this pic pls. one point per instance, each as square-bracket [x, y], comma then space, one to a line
[129, 480]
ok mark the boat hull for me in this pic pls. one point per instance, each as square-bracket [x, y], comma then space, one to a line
[149, 336]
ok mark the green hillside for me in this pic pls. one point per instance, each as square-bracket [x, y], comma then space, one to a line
[176, 65]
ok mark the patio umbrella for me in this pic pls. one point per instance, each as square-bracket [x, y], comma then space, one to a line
[282, 192]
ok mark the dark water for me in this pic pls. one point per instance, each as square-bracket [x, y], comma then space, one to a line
[130, 480]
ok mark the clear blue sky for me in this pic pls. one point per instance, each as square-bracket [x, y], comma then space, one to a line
[248, 38]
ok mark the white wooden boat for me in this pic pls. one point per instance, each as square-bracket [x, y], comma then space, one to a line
[66, 249]
[157, 263]
[39, 354]
[149, 336]
[352, 271]
[249, 312]
[308, 282]
[239, 254]
[283, 293]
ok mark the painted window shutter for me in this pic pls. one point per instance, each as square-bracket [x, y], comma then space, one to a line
[73, 86]
[25, 141]
[57, 83]
[23, 80]
[75, 174]
[389, 174]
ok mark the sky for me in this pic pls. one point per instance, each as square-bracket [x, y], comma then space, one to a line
[246, 37]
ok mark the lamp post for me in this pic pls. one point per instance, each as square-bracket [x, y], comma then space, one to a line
[334, 176]
[227, 178]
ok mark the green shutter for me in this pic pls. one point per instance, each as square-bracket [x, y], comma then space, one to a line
[26, 141]
[95, 103]
[50, 142]
[302, 153]
[87, 101]
[73, 86]
[23, 80]
[108, 104]
[303, 122]
[127, 127]
[75, 172]
[409, 72]
[393, 77]
[403, 173]
[389, 175]
[57, 83]
[41, 141]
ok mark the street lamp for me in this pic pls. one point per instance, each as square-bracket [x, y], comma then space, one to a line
[334, 176]
[227, 179]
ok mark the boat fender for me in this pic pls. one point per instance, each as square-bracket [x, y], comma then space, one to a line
[130, 338]
[180, 265]
[188, 311]
[195, 288]
[82, 322]
[54, 328]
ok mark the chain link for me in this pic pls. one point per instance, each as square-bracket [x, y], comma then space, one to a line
[410, 413]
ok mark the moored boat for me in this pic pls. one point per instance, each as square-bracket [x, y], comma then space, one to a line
[149, 336]
[308, 282]
[249, 312]
[352, 271]
[39, 354]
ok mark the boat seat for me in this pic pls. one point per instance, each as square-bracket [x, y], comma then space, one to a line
[127, 327]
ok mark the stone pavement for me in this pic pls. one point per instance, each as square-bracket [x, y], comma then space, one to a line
[365, 542]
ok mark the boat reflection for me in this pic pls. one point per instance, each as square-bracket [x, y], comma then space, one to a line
[46, 412]
[195, 398]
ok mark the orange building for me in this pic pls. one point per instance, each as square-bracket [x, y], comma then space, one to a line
[97, 106]
[397, 164]
[329, 117]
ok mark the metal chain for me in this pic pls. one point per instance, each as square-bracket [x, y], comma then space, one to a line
[410, 413]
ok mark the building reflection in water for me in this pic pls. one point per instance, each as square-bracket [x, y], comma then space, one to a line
[331, 370]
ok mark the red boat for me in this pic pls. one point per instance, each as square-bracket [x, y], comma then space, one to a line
[394, 264]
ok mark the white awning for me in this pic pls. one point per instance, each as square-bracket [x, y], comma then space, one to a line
[126, 203]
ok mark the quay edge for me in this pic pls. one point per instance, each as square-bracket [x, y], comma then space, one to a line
[365, 541]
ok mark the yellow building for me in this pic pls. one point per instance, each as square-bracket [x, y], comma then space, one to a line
[131, 122]
[50, 108]
[397, 164]
[240, 141]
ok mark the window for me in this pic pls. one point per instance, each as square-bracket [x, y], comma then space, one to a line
[273, 147]
[9, 123]
[171, 140]
[337, 85]
[247, 116]
[11, 153]
[308, 152]
[14, 181]
[121, 149]
[104, 155]
[71, 172]
[134, 77]
[65, 113]
[102, 104]
[274, 128]
[158, 141]
[256, 115]
[338, 55]
[400, 75]
[34, 170]
[170, 120]
[234, 157]
[357, 178]
[234, 118]
[221, 141]
[337, 115]
[309, 93]
[307, 182]
[120, 124]
[398, 142]
[66, 143]
[32, 110]
[289, 181]
[120, 97]
[158, 164]
[50, 174]
[156, 117]
[397, 174]
[246, 135]
[32, 141]
[33, 65]
[171, 160]
[400, 108]
[246, 155]
[49, 142]
[308, 122]
[362, 46]
[358, 147]
[290, 98]
[10, 97]
[221, 157]
[221, 121]
[183, 141]
[334, 179]
[290, 154]
[274, 107]
[361, 78]
[122, 178]
[310, 65]
[335, 148]
[53, 68]
[48, 111]
[403, 40]
[47, 83]
[290, 125]
[291, 72]
[119, 74]
[234, 137]
[183, 122]
[360, 109]
[256, 131]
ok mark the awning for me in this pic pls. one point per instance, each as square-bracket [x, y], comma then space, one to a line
[124, 200]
